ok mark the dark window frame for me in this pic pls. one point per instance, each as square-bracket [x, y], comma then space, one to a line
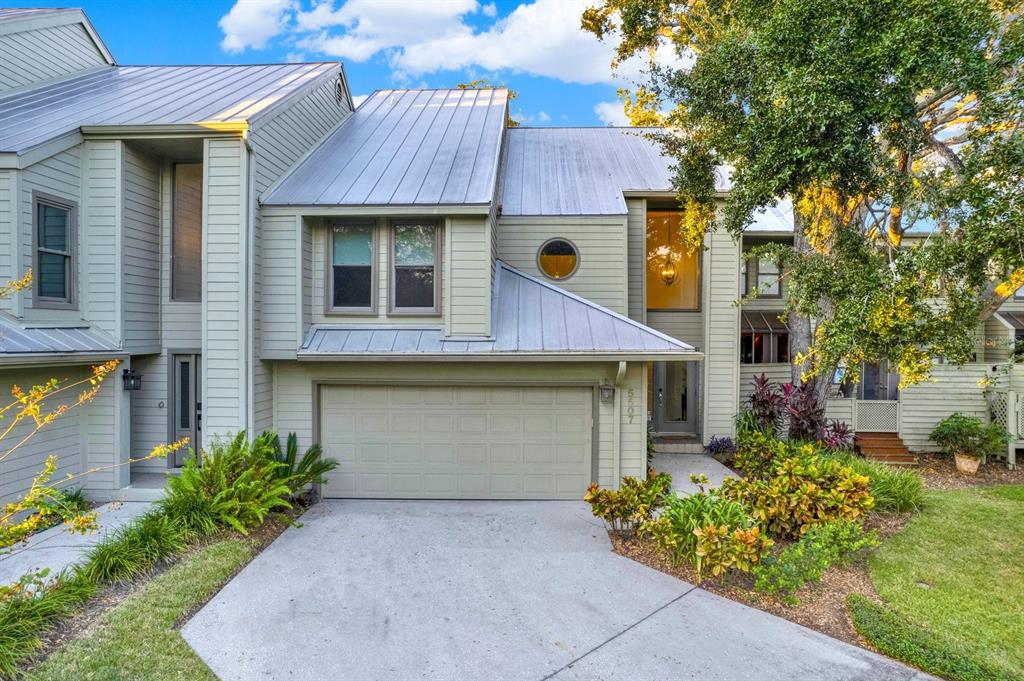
[70, 301]
[329, 307]
[774, 340]
[393, 227]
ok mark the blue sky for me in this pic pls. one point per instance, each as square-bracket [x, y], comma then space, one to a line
[563, 75]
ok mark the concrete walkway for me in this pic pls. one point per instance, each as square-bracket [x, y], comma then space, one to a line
[680, 466]
[490, 590]
[57, 549]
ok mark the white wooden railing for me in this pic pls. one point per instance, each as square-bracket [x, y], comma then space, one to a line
[1006, 407]
[867, 416]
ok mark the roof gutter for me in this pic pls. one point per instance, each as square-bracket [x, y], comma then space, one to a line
[621, 357]
[57, 358]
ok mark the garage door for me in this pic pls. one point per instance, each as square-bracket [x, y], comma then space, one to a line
[457, 442]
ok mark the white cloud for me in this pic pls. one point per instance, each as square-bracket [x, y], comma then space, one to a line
[295, 57]
[359, 99]
[543, 116]
[611, 113]
[251, 23]
[490, 10]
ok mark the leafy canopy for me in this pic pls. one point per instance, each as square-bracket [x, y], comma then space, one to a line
[874, 116]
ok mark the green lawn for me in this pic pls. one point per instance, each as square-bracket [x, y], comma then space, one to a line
[138, 639]
[954, 580]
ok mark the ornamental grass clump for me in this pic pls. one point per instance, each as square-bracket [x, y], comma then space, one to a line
[894, 489]
[634, 503]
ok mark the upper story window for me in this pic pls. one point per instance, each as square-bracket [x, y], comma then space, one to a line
[673, 274]
[764, 339]
[414, 259]
[352, 271]
[187, 233]
[768, 283]
[54, 238]
[557, 259]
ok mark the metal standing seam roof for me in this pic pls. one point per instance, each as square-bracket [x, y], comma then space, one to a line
[586, 171]
[12, 13]
[405, 147]
[18, 341]
[148, 95]
[530, 317]
[1014, 320]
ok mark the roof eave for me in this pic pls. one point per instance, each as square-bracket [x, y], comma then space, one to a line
[597, 356]
[327, 210]
[16, 359]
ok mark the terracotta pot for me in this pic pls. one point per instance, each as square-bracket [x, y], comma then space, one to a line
[968, 465]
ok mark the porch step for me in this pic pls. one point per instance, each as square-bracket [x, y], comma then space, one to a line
[682, 444]
[887, 447]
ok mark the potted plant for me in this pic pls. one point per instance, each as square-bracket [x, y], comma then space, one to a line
[969, 439]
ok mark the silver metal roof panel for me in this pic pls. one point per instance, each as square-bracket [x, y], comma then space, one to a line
[16, 340]
[405, 147]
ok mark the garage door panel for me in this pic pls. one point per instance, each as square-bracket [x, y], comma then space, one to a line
[457, 442]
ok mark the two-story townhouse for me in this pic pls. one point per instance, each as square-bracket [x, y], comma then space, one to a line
[452, 308]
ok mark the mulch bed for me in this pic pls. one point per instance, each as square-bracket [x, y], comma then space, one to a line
[85, 620]
[822, 606]
[939, 472]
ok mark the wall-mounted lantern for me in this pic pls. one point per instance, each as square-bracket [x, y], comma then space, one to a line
[607, 393]
[132, 379]
[668, 271]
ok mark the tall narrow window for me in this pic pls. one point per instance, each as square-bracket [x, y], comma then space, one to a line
[352, 268]
[414, 287]
[673, 273]
[187, 234]
[768, 282]
[54, 256]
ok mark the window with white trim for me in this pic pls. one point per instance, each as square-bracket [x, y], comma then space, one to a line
[768, 282]
[414, 262]
[54, 239]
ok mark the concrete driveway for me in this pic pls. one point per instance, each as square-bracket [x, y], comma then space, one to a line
[490, 590]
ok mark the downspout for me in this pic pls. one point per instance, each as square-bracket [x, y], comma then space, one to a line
[617, 425]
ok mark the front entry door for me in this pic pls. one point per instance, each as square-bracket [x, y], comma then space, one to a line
[674, 393]
[186, 405]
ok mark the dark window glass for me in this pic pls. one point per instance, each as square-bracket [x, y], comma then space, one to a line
[184, 401]
[782, 349]
[187, 233]
[414, 266]
[53, 259]
[352, 262]
[747, 348]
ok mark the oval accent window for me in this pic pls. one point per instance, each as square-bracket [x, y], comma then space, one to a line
[558, 258]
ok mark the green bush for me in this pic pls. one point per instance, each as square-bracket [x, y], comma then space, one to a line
[833, 543]
[133, 549]
[237, 486]
[635, 502]
[707, 530]
[295, 472]
[31, 606]
[969, 436]
[758, 451]
[930, 651]
[800, 491]
[895, 490]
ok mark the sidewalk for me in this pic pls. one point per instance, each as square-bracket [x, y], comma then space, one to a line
[680, 466]
[57, 549]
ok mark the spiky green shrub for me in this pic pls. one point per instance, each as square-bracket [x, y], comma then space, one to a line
[133, 549]
[297, 472]
[237, 486]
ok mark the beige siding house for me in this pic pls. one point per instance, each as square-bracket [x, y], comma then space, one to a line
[452, 308]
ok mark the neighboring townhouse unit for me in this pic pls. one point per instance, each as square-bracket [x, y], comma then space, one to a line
[452, 308]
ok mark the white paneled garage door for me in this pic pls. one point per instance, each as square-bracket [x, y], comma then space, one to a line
[457, 442]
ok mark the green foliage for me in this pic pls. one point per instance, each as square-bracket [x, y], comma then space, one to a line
[295, 472]
[895, 490]
[970, 436]
[27, 612]
[801, 490]
[133, 549]
[758, 451]
[834, 543]
[872, 115]
[632, 504]
[928, 650]
[707, 530]
[237, 486]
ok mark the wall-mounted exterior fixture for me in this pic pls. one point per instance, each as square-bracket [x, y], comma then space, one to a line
[132, 379]
[607, 393]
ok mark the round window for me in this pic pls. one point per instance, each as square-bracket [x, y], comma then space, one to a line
[557, 259]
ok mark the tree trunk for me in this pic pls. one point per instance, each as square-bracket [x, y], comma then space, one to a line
[799, 325]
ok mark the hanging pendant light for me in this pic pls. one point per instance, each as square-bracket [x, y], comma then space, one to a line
[668, 271]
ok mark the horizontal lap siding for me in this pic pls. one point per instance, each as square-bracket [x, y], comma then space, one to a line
[8, 234]
[951, 389]
[636, 229]
[42, 54]
[721, 394]
[997, 341]
[141, 252]
[280, 277]
[469, 278]
[601, 244]
[778, 374]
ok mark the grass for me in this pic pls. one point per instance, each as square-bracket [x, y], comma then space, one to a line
[138, 638]
[895, 490]
[951, 582]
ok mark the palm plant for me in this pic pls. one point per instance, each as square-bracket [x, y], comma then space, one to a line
[297, 472]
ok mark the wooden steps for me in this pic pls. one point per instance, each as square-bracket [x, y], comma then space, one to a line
[887, 447]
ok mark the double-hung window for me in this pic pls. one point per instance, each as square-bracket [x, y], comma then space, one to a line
[54, 252]
[768, 282]
[352, 271]
[414, 261]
